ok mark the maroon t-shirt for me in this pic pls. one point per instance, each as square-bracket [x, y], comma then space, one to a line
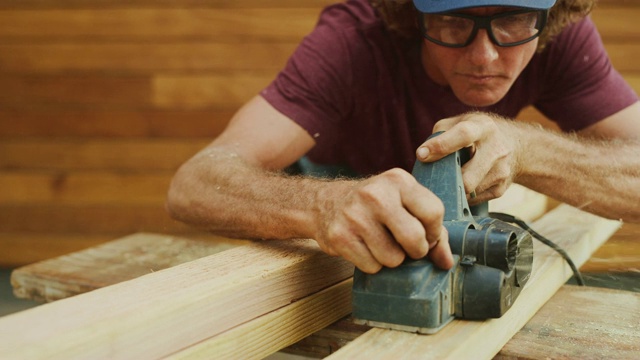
[364, 96]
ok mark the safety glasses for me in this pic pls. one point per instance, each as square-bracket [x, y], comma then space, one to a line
[505, 29]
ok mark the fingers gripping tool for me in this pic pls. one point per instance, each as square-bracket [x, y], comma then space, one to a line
[492, 263]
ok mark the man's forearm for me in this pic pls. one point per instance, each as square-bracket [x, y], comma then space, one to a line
[220, 192]
[372, 222]
[599, 176]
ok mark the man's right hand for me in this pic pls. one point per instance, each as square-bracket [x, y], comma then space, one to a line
[378, 221]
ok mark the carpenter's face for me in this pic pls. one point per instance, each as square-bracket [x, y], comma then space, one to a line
[481, 73]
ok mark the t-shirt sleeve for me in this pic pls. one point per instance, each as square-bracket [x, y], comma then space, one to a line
[581, 86]
[312, 88]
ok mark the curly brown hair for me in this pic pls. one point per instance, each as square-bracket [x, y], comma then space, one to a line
[401, 17]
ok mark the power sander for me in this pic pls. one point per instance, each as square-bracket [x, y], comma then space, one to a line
[492, 263]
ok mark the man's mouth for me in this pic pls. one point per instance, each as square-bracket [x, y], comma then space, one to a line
[481, 78]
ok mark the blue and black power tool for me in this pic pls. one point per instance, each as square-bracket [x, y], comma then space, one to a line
[493, 261]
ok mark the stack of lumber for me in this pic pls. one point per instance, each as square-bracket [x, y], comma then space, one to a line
[252, 300]
[101, 101]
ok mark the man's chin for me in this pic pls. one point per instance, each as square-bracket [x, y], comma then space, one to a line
[480, 100]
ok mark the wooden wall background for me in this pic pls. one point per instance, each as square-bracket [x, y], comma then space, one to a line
[101, 101]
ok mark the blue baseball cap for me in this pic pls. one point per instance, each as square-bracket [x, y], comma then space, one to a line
[438, 6]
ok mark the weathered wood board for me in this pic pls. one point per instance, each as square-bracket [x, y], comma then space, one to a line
[581, 233]
[108, 264]
[160, 313]
[581, 323]
[577, 322]
[578, 232]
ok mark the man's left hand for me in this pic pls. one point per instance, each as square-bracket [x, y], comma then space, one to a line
[495, 150]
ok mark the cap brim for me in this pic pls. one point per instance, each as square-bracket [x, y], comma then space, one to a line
[438, 6]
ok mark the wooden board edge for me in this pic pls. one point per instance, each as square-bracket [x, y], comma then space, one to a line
[276, 330]
[468, 339]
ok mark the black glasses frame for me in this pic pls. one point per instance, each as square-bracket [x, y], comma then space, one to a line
[484, 22]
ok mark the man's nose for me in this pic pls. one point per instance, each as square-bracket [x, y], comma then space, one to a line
[482, 50]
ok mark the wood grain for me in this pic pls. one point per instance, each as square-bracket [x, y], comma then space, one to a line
[146, 58]
[276, 330]
[20, 248]
[77, 123]
[91, 218]
[75, 71]
[138, 155]
[620, 254]
[152, 24]
[100, 4]
[580, 323]
[156, 314]
[32, 247]
[578, 232]
[86, 187]
[111, 263]
[565, 327]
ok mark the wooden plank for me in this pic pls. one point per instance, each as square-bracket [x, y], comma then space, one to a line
[565, 327]
[61, 220]
[98, 154]
[96, 91]
[217, 91]
[614, 3]
[168, 92]
[521, 202]
[116, 261]
[24, 248]
[276, 330]
[620, 254]
[578, 232]
[132, 58]
[120, 219]
[194, 92]
[83, 188]
[101, 4]
[19, 249]
[159, 313]
[146, 24]
[330, 339]
[135, 58]
[93, 122]
[624, 56]
[204, 91]
[615, 23]
[580, 323]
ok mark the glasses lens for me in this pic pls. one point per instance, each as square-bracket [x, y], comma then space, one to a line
[445, 29]
[516, 27]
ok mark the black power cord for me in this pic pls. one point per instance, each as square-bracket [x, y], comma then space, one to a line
[514, 220]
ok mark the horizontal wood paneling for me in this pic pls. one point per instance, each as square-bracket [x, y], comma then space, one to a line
[57, 91]
[151, 24]
[173, 92]
[98, 218]
[83, 188]
[21, 248]
[133, 58]
[100, 101]
[135, 155]
[617, 23]
[206, 91]
[106, 123]
[105, 4]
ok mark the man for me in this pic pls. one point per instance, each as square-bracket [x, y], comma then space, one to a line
[363, 91]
